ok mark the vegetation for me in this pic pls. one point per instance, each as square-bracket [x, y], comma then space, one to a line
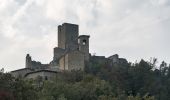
[125, 81]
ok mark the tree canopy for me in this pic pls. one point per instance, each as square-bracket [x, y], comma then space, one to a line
[139, 81]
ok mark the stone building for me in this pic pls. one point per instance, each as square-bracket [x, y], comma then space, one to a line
[42, 74]
[21, 72]
[72, 53]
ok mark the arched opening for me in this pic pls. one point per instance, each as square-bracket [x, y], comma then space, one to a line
[46, 78]
[84, 42]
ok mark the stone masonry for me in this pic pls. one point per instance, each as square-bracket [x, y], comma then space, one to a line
[72, 53]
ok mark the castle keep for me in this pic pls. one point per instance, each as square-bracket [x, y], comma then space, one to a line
[72, 53]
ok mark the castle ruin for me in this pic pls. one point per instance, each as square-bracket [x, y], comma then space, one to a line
[72, 53]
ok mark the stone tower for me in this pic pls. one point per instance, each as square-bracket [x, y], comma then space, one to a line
[68, 36]
[72, 52]
[83, 42]
[28, 61]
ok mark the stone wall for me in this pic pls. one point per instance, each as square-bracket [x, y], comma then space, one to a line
[73, 60]
[44, 74]
[101, 60]
[58, 53]
[114, 58]
[68, 36]
[20, 72]
[62, 63]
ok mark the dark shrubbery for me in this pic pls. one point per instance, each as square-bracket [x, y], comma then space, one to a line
[140, 81]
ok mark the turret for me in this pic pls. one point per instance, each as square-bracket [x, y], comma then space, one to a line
[28, 63]
[83, 42]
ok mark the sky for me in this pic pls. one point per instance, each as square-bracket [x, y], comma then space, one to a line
[134, 29]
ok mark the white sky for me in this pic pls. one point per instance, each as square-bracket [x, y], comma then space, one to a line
[134, 29]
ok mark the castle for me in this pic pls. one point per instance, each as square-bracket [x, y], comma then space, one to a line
[72, 53]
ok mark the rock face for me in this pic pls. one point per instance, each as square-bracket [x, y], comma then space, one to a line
[72, 53]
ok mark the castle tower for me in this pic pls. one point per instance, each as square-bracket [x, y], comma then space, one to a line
[83, 42]
[28, 61]
[68, 36]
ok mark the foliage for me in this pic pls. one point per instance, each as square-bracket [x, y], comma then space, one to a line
[139, 81]
[16, 89]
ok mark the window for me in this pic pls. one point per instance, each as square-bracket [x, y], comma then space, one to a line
[46, 78]
[84, 42]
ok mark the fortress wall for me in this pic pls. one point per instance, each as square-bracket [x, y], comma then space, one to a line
[62, 63]
[75, 61]
[72, 61]
[20, 72]
[58, 52]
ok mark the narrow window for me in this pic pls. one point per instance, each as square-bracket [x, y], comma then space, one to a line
[84, 42]
[46, 78]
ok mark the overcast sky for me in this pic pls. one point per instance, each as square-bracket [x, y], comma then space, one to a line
[134, 29]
